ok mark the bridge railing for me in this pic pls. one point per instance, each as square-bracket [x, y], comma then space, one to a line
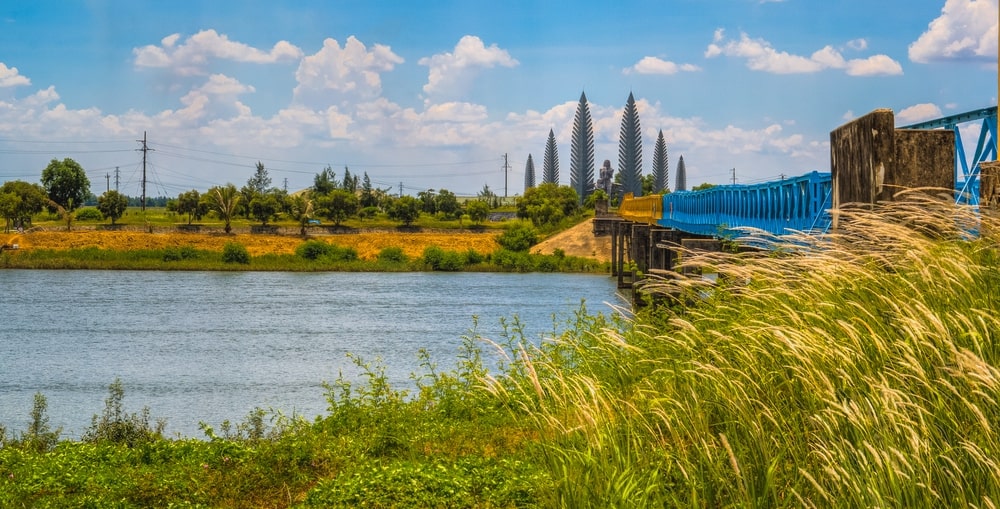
[779, 207]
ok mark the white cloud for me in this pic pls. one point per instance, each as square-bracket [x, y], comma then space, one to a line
[353, 70]
[875, 65]
[918, 113]
[192, 56]
[857, 44]
[655, 65]
[10, 77]
[761, 56]
[451, 72]
[965, 30]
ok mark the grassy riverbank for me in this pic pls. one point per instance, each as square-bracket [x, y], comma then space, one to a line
[860, 369]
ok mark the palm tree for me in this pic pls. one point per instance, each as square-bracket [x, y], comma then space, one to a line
[224, 200]
[302, 211]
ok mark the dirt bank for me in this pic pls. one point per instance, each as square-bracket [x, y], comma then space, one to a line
[578, 241]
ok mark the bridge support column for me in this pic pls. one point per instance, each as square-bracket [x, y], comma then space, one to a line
[640, 246]
[989, 186]
[700, 245]
[621, 235]
[661, 252]
[871, 160]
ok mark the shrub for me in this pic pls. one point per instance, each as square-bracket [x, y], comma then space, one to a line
[433, 256]
[342, 253]
[440, 259]
[392, 255]
[518, 261]
[313, 249]
[117, 426]
[173, 254]
[473, 257]
[233, 252]
[520, 236]
[89, 214]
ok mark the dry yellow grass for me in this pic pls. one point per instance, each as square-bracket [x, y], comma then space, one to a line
[367, 244]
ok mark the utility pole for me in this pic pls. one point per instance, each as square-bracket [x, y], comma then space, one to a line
[400, 189]
[734, 176]
[144, 150]
[286, 184]
[116, 178]
[505, 168]
[107, 178]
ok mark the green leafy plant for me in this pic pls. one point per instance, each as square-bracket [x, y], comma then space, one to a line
[116, 426]
[233, 252]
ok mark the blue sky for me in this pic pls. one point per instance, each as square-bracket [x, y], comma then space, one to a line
[431, 95]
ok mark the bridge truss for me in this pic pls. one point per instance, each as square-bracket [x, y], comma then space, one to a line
[800, 203]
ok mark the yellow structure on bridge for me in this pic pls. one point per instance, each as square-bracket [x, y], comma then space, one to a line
[644, 209]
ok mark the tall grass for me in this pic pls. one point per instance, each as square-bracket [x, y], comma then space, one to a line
[857, 368]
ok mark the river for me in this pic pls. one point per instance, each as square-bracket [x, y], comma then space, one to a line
[212, 346]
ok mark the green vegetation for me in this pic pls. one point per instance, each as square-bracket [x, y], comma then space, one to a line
[311, 256]
[860, 369]
[233, 252]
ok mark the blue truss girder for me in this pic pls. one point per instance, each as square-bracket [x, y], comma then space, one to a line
[967, 170]
[779, 207]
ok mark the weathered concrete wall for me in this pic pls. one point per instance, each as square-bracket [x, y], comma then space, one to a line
[871, 160]
[861, 151]
[924, 158]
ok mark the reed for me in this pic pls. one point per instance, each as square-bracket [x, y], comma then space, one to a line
[857, 368]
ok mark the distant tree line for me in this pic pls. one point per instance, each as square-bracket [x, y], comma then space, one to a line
[64, 187]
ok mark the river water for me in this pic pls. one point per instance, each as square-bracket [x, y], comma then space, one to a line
[212, 346]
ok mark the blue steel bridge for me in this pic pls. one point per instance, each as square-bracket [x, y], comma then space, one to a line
[801, 204]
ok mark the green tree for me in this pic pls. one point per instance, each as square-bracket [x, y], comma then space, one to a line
[447, 203]
[369, 197]
[547, 204]
[190, 203]
[703, 186]
[265, 206]
[489, 196]
[224, 200]
[350, 182]
[324, 181]
[19, 200]
[405, 209]
[66, 183]
[338, 205]
[112, 204]
[427, 204]
[519, 236]
[260, 182]
[478, 210]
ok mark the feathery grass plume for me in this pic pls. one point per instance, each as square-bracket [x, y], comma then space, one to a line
[858, 367]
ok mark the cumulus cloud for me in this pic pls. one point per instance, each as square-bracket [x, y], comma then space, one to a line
[965, 30]
[761, 56]
[192, 56]
[451, 72]
[918, 113]
[352, 70]
[10, 77]
[655, 65]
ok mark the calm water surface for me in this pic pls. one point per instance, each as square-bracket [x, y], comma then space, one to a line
[211, 346]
